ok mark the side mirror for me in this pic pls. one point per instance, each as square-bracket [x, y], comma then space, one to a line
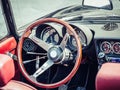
[101, 4]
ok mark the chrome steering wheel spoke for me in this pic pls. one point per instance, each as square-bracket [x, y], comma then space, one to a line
[43, 68]
[64, 41]
[40, 42]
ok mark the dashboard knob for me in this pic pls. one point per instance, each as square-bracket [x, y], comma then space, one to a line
[102, 58]
[101, 55]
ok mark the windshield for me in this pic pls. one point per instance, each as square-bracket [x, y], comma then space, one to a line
[26, 11]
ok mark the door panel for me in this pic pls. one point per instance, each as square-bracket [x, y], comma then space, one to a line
[8, 45]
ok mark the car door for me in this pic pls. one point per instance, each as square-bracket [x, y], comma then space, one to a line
[7, 41]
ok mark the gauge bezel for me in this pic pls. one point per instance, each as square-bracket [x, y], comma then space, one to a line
[116, 43]
[40, 31]
[107, 51]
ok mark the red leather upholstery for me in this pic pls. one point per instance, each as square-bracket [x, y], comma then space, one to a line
[7, 45]
[17, 85]
[108, 77]
[7, 70]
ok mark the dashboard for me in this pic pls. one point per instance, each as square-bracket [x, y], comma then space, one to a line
[53, 33]
[107, 42]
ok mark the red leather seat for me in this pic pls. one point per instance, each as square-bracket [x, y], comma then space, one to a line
[7, 72]
[108, 77]
[16, 85]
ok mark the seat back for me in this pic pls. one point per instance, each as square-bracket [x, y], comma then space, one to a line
[7, 69]
[108, 77]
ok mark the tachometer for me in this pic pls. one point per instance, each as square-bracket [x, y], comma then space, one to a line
[72, 43]
[105, 47]
[116, 48]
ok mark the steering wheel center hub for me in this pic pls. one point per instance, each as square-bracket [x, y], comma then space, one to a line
[55, 54]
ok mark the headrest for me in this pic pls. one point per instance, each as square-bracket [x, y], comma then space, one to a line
[7, 69]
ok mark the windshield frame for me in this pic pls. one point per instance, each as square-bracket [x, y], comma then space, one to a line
[9, 19]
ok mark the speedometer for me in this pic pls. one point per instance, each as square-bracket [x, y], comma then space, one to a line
[50, 35]
[105, 47]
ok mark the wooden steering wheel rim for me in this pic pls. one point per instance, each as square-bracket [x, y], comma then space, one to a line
[78, 58]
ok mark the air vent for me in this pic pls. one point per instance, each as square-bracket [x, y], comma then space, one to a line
[110, 26]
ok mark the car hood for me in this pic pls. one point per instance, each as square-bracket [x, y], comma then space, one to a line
[77, 12]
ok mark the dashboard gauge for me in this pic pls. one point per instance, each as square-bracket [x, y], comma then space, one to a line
[72, 42]
[28, 45]
[105, 47]
[50, 35]
[116, 48]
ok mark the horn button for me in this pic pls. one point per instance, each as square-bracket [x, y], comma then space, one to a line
[55, 54]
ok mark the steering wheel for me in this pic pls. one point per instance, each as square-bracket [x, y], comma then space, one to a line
[55, 53]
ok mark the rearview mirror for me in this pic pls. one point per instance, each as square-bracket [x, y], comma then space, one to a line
[102, 4]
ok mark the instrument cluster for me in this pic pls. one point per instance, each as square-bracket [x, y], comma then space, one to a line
[112, 47]
[53, 33]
